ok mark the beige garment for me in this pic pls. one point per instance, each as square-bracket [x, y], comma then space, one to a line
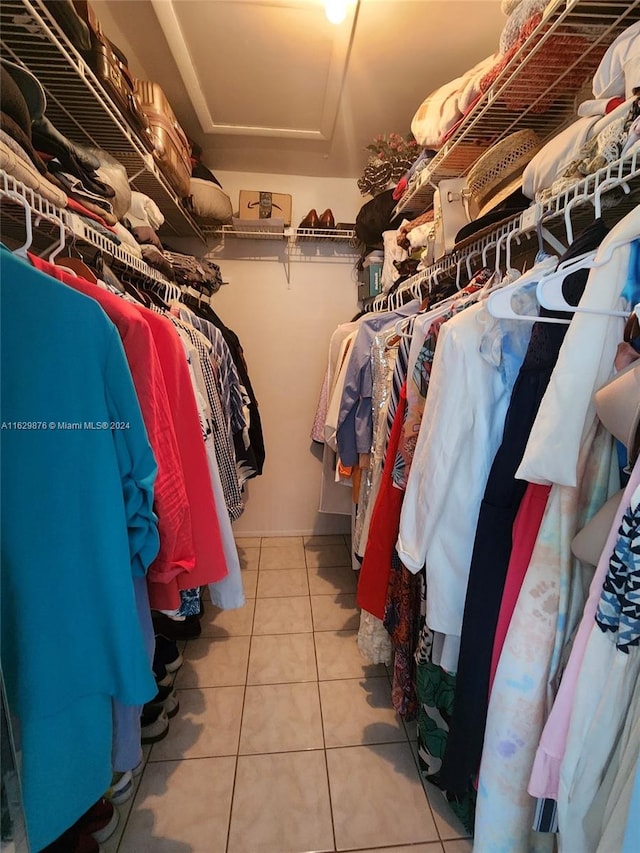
[26, 172]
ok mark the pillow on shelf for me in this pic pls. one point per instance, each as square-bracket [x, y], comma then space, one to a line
[443, 109]
[619, 68]
[210, 202]
[554, 157]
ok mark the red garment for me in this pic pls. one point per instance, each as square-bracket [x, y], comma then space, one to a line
[385, 525]
[210, 561]
[72, 204]
[176, 555]
[525, 533]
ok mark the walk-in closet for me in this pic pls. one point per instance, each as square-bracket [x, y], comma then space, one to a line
[320, 426]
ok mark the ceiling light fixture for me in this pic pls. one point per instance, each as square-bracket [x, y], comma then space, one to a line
[335, 10]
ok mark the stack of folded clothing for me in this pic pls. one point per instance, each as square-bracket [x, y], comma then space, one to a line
[143, 219]
[606, 127]
[560, 50]
[203, 274]
[441, 112]
[18, 156]
[89, 181]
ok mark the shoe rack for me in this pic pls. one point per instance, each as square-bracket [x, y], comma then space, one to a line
[264, 242]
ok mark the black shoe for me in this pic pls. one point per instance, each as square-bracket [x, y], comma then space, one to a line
[166, 654]
[187, 629]
[154, 723]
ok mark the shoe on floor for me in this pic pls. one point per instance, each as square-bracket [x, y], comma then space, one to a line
[186, 629]
[100, 821]
[73, 841]
[154, 723]
[166, 654]
[171, 704]
[121, 788]
[163, 678]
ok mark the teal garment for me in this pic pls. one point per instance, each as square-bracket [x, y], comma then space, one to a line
[76, 526]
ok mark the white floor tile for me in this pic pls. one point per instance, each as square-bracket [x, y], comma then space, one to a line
[171, 814]
[281, 804]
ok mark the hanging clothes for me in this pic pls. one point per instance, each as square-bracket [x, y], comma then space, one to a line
[95, 532]
[223, 442]
[256, 439]
[210, 563]
[176, 554]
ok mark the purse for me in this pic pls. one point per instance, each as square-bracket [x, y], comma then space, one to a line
[451, 213]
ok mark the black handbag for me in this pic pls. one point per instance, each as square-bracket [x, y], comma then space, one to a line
[375, 217]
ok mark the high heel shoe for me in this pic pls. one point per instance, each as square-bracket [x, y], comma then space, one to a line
[311, 220]
[326, 221]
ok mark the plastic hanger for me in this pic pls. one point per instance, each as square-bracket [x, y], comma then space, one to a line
[549, 290]
[59, 246]
[499, 301]
[21, 251]
[471, 255]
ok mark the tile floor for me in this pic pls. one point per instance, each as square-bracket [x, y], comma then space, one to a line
[285, 741]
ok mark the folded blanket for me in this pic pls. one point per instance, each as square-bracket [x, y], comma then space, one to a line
[13, 130]
[24, 171]
[146, 234]
[144, 211]
[559, 50]
[82, 190]
[155, 258]
[444, 108]
[128, 240]
[519, 14]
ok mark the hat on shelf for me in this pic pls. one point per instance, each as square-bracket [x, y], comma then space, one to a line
[498, 172]
[589, 543]
[618, 407]
[511, 206]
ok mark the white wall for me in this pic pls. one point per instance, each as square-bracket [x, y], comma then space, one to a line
[285, 328]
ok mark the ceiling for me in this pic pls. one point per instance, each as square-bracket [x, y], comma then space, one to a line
[271, 86]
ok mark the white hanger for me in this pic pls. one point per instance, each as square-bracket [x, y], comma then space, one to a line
[489, 245]
[549, 289]
[471, 254]
[59, 246]
[499, 301]
[580, 199]
[378, 302]
[21, 251]
[605, 185]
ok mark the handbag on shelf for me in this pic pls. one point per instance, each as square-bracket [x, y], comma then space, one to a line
[111, 67]
[451, 213]
[171, 151]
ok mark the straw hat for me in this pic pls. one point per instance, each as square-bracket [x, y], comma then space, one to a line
[618, 407]
[498, 172]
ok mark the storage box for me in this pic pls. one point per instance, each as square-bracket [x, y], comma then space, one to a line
[256, 204]
[370, 279]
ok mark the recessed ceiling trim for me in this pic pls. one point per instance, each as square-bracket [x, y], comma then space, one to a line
[168, 19]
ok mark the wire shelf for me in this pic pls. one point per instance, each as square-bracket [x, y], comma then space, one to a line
[293, 235]
[80, 108]
[576, 204]
[535, 90]
[15, 196]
